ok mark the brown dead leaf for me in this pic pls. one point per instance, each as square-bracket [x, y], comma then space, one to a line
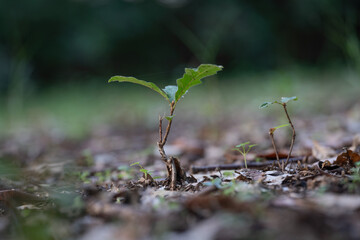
[356, 143]
[348, 157]
[321, 152]
[243, 178]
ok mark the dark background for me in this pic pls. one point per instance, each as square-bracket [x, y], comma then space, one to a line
[44, 42]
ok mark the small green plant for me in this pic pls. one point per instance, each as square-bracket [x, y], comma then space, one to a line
[244, 149]
[143, 170]
[172, 94]
[283, 103]
[84, 176]
[229, 188]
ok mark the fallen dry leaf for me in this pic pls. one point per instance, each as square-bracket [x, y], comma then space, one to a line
[321, 152]
[348, 157]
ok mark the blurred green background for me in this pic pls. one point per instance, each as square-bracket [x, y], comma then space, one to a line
[56, 56]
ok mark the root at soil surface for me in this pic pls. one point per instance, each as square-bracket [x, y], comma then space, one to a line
[176, 175]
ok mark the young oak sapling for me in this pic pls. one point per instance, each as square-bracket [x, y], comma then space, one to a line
[283, 103]
[172, 94]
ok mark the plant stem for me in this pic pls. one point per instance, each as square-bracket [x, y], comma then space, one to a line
[162, 140]
[173, 174]
[160, 128]
[271, 133]
[172, 108]
[293, 134]
[245, 160]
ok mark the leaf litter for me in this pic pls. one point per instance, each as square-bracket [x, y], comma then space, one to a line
[90, 188]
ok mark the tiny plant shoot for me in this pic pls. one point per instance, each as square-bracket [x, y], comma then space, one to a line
[143, 170]
[283, 103]
[244, 149]
[172, 94]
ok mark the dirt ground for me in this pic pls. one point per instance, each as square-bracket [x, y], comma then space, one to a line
[55, 187]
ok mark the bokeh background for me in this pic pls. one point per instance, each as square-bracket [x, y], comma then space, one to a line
[56, 57]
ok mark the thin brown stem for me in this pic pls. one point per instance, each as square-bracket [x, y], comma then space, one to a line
[162, 140]
[173, 174]
[168, 127]
[271, 133]
[293, 134]
[160, 128]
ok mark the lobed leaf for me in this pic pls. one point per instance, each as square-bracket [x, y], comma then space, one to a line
[288, 99]
[193, 76]
[150, 85]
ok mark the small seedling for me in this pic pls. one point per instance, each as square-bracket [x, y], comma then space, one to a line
[283, 103]
[84, 176]
[244, 149]
[228, 188]
[172, 95]
[143, 170]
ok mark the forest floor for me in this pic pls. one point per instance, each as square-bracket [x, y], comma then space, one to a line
[54, 185]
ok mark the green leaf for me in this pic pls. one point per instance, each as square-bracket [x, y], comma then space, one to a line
[253, 145]
[169, 118]
[193, 76]
[265, 104]
[217, 183]
[170, 92]
[144, 171]
[242, 144]
[228, 174]
[150, 85]
[287, 99]
[284, 125]
[133, 164]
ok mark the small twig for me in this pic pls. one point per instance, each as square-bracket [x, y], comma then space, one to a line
[293, 134]
[271, 133]
[326, 173]
[195, 169]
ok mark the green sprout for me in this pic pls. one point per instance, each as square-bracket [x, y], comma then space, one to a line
[172, 94]
[227, 188]
[244, 149]
[143, 170]
[283, 103]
